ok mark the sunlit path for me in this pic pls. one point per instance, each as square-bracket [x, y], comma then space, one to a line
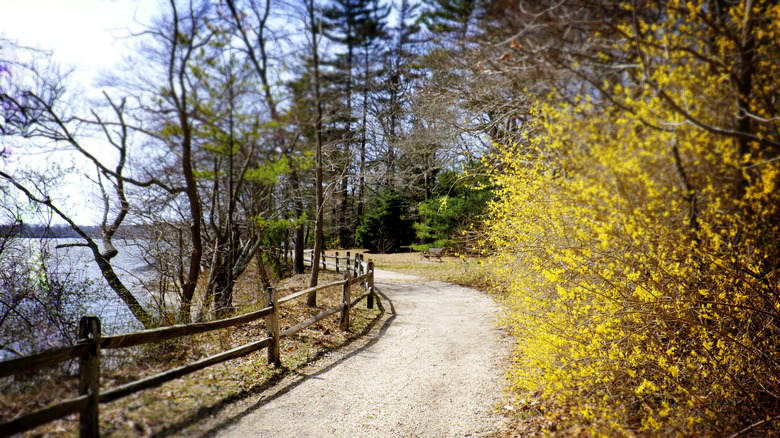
[431, 367]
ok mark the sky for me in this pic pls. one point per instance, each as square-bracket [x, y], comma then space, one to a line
[80, 32]
[85, 35]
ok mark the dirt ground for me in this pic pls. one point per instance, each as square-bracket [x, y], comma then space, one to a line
[432, 366]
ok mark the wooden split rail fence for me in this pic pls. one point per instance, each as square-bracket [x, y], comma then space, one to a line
[90, 344]
[353, 265]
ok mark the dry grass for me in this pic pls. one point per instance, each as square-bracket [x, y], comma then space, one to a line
[466, 271]
[173, 407]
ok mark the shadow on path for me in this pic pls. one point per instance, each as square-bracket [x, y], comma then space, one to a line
[208, 411]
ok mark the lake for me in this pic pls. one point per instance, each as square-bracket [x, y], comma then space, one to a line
[102, 302]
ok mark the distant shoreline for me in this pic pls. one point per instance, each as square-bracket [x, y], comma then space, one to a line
[38, 231]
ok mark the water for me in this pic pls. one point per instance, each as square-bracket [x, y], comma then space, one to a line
[101, 300]
[128, 265]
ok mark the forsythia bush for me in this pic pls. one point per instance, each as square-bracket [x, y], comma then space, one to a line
[639, 241]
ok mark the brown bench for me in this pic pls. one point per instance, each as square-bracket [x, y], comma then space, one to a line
[433, 252]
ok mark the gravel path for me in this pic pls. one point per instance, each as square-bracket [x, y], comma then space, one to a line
[432, 367]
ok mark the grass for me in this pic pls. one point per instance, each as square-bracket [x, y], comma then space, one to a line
[466, 271]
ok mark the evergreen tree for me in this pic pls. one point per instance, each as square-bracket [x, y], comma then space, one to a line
[374, 35]
[340, 23]
[459, 202]
[386, 227]
[355, 26]
[449, 17]
[399, 76]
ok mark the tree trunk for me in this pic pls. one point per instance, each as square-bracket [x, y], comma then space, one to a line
[265, 282]
[300, 242]
[116, 284]
[225, 280]
[364, 123]
[311, 299]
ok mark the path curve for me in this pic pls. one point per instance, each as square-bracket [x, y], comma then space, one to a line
[433, 367]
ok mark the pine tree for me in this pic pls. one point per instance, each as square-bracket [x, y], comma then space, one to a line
[374, 34]
[399, 78]
[354, 25]
[449, 17]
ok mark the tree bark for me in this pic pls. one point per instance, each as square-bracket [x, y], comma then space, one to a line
[177, 80]
[311, 299]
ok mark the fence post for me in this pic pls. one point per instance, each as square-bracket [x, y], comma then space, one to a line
[364, 269]
[337, 262]
[89, 377]
[370, 281]
[355, 265]
[346, 264]
[272, 326]
[345, 299]
[323, 260]
[311, 263]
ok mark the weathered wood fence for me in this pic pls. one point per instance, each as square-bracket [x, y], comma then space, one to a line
[91, 343]
[353, 265]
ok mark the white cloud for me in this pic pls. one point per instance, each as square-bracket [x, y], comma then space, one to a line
[82, 33]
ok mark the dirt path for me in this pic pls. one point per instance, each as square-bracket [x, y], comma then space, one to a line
[432, 367]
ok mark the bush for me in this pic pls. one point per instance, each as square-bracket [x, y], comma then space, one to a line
[41, 300]
[460, 201]
[385, 226]
[641, 263]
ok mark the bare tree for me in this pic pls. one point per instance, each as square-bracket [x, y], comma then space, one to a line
[313, 33]
[251, 21]
[39, 115]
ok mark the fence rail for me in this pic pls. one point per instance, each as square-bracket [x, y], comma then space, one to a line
[90, 344]
[353, 265]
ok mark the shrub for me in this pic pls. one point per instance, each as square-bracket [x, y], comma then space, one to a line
[385, 226]
[640, 251]
[460, 200]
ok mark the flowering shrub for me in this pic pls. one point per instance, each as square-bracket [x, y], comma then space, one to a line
[638, 241]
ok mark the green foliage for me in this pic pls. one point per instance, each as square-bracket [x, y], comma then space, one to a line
[333, 241]
[460, 201]
[275, 232]
[441, 218]
[268, 172]
[171, 130]
[203, 174]
[386, 226]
